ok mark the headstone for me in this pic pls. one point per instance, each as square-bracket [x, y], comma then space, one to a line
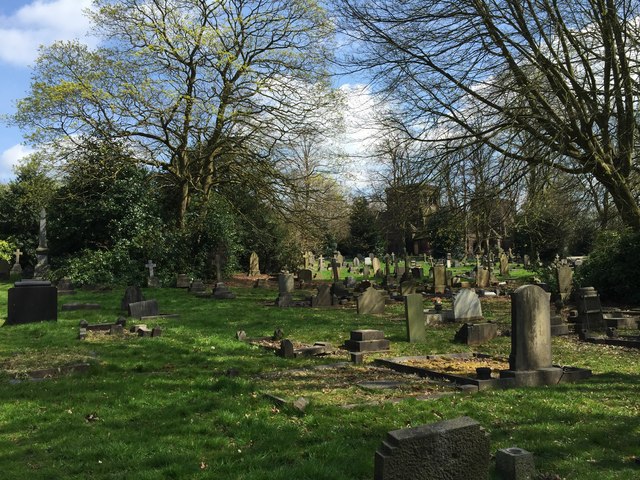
[307, 259]
[339, 258]
[286, 283]
[375, 265]
[417, 273]
[564, 276]
[527, 261]
[476, 333]
[146, 308]
[455, 449]
[183, 281]
[466, 306]
[323, 298]
[16, 271]
[408, 287]
[413, 310]
[65, 287]
[152, 281]
[366, 272]
[504, 264]
[305, 275]
[41, 269]
[439, 279]
[448, 260]
[356, 262]
[370, 301]
[222, 292]
[132, 294]
[335, 267]
[483, 277]
[254, 265]
[197, 286]
[530, 329]
[590, 314]
[320, 263]
[286, 349]
[32, 301]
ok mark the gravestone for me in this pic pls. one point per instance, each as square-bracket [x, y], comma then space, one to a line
[197, 286]
[41, 269]
[370, 301]
[339, 258]
[530, 329]
[564, 277]
[504, 264]
[356, 262]
[335, 267]
[132, 294]
[15, 274]
[254, 265]
[183, 281]
[305, 275]
[483, 277]
[526, 261]
[476, 333]
[222, 292]
[457, 449]
[448, 260]
[146, 308]
[417, 273]
[320, 263]
[286, 285]
[466, 306]
[413, 311]
[590, 314]
[65, 287]
[439, 279]
[375, 265]
[366, 272]
[408, 287]
[323, 298]
[152, 280]
[32, 301]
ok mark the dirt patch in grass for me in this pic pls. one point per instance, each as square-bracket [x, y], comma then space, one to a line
[458, 366]
[348, 385]
[20, 364]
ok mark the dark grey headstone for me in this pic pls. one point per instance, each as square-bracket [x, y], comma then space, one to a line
[476, 333]
[305, 275]
[146, 308]
[131, 295]
[32, 301]
[455, 449]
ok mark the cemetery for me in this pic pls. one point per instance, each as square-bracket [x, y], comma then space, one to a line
[312, 369]
[341, 240]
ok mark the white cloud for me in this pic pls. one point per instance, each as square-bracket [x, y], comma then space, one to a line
[9, 158]
[41, 22]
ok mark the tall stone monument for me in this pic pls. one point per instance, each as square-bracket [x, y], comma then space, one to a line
[41, 269]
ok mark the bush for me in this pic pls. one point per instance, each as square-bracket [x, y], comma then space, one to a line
[613, 266]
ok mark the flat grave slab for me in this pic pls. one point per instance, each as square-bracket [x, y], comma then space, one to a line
[461, 369]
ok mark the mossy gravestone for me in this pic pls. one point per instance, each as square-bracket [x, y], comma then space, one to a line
[415, 318]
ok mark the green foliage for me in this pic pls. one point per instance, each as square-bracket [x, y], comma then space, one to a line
[6, 250]
[612, 267]
[446, 233]
[365, 231]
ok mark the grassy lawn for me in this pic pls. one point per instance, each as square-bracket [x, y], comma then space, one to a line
[168, 407]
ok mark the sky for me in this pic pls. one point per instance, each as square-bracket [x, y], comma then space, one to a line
[25, 25]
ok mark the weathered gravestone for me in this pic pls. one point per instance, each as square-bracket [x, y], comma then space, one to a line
[356, 262]
[339, 258]
[32, 301]
[375, 265]
[305, 275]
[370, 301]
[254, 265]
[152, 280]
[132, 294]
[183, 281]
[408, 287]
[564, 277]
[466, 306]
[476, 333]
[65, 287]
[439, 279]
[197, 286]
[504, 264]
[417, 272]
[530, 358]
[457, 449]
[324, 298]
[41, 269]
[15, 274]
[286, 285]
[483, 277]
[590, 314]
[413, 311]
[146, 308]
[222, 292]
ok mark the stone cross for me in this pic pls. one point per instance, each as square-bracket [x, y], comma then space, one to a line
[42, 235]
[17, 254]
[218, 268]
[320, 263]
[150, 265]
[336, 273]
[307, 257]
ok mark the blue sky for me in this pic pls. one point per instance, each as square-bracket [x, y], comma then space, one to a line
[27, 24]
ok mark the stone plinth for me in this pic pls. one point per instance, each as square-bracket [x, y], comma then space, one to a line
[515, 464]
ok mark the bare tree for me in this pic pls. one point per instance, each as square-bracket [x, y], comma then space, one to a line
[202, 90]
[551, 82]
